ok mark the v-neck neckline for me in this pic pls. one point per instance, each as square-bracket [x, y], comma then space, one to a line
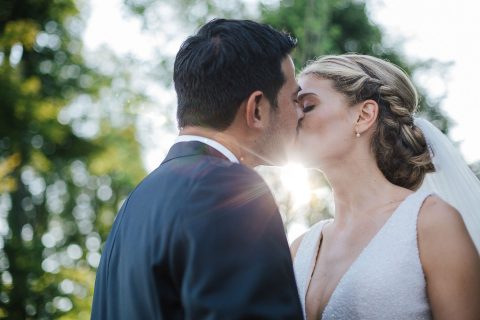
[359, 256]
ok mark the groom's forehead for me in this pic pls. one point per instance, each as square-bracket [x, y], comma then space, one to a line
[288, 66]
[296, 91]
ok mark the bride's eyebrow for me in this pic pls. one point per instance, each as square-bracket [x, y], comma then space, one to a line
[304, 94]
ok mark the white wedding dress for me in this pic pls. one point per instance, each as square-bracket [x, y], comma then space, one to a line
[386, 281]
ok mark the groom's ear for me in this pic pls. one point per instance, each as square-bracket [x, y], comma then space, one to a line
[367, 115]
[257, 110]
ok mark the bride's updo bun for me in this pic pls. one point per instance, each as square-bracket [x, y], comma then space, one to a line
[399, 146]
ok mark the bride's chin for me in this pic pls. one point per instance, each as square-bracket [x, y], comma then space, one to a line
[298, 146]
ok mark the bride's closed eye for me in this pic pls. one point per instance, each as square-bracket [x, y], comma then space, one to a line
[308, 101]
[308, 108]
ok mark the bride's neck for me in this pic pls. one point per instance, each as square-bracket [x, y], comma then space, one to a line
[358, 188]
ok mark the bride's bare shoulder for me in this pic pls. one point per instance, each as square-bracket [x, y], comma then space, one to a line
[441, 231]
[449, 260]
[436, 215]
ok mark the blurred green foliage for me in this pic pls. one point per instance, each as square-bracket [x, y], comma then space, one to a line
[64, 166]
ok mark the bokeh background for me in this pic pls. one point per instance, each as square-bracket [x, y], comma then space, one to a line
[87, 109]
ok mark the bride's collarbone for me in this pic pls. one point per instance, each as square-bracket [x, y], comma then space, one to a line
[337, 252]
[339, 249]
[334, 258]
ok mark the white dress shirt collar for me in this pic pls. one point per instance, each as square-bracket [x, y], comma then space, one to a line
[212, 143]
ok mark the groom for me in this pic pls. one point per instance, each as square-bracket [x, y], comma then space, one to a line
[201, 236]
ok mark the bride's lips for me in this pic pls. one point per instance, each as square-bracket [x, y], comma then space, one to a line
[297, 136]
[299, 125]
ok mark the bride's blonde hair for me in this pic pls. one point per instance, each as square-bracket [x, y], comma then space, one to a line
[399, 146]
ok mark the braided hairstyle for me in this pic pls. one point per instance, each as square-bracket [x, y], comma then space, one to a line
[400, 149]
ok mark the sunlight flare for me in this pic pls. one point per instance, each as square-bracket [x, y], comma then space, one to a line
[294, 178]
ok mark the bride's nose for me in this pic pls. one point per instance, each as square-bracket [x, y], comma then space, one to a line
[300, 113]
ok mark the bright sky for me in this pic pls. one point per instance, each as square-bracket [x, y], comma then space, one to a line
[443, 30]
[446, 31]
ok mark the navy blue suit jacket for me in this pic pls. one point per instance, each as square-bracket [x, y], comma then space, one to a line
[199, 238]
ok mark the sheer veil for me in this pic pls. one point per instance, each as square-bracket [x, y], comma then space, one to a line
[453, 180]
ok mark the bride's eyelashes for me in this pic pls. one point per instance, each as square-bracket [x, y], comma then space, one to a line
[308, 108]
[306, 102]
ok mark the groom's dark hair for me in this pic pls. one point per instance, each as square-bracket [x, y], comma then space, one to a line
[222, 64]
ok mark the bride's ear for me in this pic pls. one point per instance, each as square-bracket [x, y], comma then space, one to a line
[257, 110]
[367, 116]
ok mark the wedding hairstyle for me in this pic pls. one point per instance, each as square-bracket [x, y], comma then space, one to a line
[399, 146]
[216, 69]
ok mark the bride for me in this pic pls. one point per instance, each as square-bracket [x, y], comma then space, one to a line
[395, 250]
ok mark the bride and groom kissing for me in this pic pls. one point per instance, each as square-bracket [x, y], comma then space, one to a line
[202, 238]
